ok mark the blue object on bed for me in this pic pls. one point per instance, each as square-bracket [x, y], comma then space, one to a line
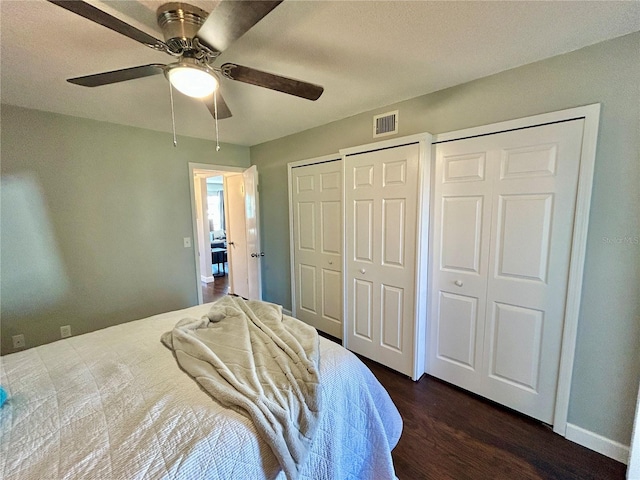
[3, 396]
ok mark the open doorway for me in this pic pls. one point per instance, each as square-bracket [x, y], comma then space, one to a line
[214, 273]
[217, 198]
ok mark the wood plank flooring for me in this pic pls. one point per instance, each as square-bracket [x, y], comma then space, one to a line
[215, 290]
[452, 434]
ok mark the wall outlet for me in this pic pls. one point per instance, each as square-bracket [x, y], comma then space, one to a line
[18, 341]
[65, 331]
[187, 242]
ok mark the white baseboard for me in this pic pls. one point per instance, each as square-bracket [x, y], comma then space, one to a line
[207, 279]
[598, 443]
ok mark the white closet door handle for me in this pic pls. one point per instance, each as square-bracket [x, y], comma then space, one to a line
[330, 262]
[458, 283]
[362, 270]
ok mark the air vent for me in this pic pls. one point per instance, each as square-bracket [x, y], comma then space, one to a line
[385, 124]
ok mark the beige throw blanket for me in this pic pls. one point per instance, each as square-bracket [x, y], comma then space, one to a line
[251, 359]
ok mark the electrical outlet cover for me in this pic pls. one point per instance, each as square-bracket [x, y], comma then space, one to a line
[18, 341]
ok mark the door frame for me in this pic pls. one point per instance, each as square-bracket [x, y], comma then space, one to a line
[292, 266]
[194, 214]
[591, 116]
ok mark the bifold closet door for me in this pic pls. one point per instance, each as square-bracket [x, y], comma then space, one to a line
[381, 198]
[317, 224]
[503, 216]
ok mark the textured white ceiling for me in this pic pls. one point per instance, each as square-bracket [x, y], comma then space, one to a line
[366, 54]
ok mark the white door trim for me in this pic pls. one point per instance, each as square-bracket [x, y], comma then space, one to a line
[290, 167]
[591, 116]
[423, 240]
[634, 449]
[194, 213]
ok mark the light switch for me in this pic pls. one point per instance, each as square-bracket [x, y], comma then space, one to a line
[187, 242]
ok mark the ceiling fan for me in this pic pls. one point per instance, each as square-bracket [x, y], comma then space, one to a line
[195, 38]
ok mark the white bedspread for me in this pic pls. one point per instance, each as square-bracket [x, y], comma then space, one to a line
[113, 404]
[253, 360]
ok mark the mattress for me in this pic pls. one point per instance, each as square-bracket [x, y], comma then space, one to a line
[113, 404]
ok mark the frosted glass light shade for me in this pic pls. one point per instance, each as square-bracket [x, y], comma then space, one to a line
[193, 81]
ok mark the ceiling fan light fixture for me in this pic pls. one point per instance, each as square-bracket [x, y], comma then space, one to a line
[192, 79]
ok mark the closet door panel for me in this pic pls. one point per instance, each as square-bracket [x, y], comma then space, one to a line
[363, 230]
[307, 279]
[461, 220]
[516, 345]
[503, 220]
[393, 225]
[392, 316]
[534, 206]
[306, 232]
[363, 323]
[523, 236]
[331, 221]
[317, 233]
[331, 290]
[381, 199]
[461, 227]
[456, 340]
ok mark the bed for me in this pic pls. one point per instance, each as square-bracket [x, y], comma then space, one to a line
[113, 404]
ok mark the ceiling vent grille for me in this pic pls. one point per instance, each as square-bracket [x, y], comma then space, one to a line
[385, 124]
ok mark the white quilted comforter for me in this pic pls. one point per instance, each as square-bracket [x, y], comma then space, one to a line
[113, 404]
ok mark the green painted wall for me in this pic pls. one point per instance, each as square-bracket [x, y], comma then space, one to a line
[117, 199]
[607, 366]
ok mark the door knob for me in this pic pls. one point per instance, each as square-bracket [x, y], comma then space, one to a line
[261, 254]
[362, 270]
[254, 254]
[330, 262]
[458, 283]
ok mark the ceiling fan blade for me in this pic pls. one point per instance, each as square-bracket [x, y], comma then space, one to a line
[223, 109]
[116, 76]
[271, 81]
[231, 19]
[98, 16]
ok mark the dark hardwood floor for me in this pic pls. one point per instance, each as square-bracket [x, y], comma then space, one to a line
[451, 434]
[213, 291]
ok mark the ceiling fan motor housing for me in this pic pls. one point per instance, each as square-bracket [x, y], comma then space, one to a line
[180, 23]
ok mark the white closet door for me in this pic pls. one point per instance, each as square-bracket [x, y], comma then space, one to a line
[317, 210]
[381, 198]
[503, 220]
[460, 246]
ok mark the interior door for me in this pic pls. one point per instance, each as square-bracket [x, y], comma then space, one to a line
[236, 235]
[381, 198]
[317, 219]
[252, 221]
[202, 228]
[503, 219]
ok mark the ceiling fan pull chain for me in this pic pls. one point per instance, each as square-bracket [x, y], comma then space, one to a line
[215, 110]
[173, 117]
